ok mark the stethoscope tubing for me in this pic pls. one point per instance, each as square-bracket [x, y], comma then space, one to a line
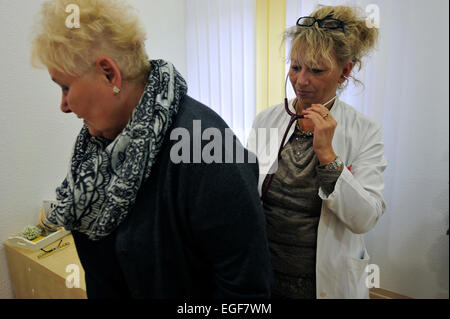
[293, 118]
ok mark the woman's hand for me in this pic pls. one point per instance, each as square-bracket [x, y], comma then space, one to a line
[322, 122]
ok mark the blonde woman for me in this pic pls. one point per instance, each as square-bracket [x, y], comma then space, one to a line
[327, 189]
[146, 223]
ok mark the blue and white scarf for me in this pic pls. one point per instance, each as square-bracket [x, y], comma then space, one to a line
[104, 177]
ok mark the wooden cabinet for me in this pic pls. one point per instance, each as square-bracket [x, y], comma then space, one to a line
[36, 274]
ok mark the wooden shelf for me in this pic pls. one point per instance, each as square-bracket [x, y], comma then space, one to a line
[379, 293]
[36, 275]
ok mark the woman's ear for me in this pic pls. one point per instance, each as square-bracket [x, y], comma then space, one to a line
[108, 68]
[346, 70]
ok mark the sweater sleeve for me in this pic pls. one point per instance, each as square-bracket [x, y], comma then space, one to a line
[228, 225]
[327, 178]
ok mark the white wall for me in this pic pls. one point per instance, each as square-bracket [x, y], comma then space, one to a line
[36, 137]
[411, 81]
[165, 23]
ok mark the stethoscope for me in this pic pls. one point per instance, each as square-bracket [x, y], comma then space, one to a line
[294, 117]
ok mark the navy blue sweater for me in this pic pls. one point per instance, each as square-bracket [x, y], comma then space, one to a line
[197, 230]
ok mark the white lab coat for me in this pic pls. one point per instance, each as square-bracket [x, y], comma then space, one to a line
[352, 209]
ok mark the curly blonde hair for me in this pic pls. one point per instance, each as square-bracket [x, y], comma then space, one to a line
[317, 45]
[107, 27]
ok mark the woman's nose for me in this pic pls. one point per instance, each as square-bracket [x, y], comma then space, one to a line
[64, 105]
[302, 79]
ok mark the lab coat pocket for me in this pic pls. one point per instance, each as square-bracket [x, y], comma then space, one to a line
[357, 275]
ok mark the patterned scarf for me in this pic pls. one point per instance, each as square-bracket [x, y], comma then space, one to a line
[104, 177]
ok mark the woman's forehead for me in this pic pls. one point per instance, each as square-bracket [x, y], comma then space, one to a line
[311, 61]
[311, 57]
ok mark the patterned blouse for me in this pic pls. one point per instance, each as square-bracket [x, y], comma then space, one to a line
[292, 208]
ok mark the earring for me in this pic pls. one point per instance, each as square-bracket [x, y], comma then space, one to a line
[116, 90]
[343, 76]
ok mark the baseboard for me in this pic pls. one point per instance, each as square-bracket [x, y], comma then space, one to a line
[379, 293]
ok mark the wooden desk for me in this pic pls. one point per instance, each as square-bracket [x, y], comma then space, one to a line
[36, 275]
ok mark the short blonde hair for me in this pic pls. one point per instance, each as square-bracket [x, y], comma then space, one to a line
[107, 27]
[318, 44]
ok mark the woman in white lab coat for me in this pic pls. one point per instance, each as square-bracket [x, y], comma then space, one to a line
[323, 190]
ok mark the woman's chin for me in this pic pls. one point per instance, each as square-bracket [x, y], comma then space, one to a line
[303, 99]
[93, 132]
[305, 103]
